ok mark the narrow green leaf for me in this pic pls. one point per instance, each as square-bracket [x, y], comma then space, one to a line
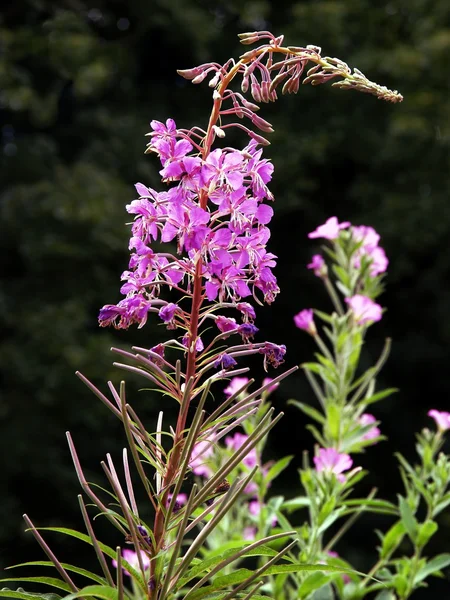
[308, 410]
[408, 519]
[277, 468]
[392, 539]
[311, 583]
[21, 593]
[67, 567]
[433, 566]
[104, 592]
[380, 395]
[425, 532]
[51, 581]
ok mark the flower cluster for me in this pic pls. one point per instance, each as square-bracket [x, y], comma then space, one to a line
[229, 233]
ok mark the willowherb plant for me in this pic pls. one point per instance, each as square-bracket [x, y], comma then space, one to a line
[215, 210]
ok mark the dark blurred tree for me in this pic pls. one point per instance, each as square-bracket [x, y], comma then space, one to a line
[79, 82]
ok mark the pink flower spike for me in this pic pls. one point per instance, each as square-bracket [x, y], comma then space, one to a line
[305, 320]
[330, 461]
[365, 420]
[442, 419]
[364, 309]
[329, 230]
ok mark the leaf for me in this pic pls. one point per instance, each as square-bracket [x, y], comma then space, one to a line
[277, 468]
[21, 593]
[333, 420]
[67, 567]
[311, 583]
[308, 410]
[385, 595]
[295, 504]
[382, 506]
[380, 395]
[104, 592]
[51, 581]
[103, 547]
[408, 519]
[392, 539]
[434, 565]
[425, 532]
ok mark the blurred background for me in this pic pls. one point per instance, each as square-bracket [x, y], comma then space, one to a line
[79, 83]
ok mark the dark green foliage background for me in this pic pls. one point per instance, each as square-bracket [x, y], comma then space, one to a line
[79, 83]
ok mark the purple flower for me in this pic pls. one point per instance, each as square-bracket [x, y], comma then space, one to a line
[442, 419]
[330, 229]
[247, 311]
[247, 331]
[167, 314]
[132, 559]
[305, 320]
[236, 442]
[225, 324]
[273, 354]
[271, 388]
[369, 239]
[367, 419]
[199, 346]
[330, 461]
[317, 264]
[224, 361]
[364, 309]
[235, 384]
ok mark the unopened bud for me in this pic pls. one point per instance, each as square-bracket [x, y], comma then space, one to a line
[262, 124]
[244, 84]
[250, 105]
[256, 91]
[219, 132]
[259, 138]
[214, 81]
[200, 77]
[190, 73]
[248, 38]
[216, 95]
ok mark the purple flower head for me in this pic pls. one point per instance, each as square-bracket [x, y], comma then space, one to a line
[442, 419]
[364, 309]
[224, 361]
[167, 314]
[247, 311]
[329, 230]
[132, 559]
[225, 324]
[159, 350]
[199, 346]
[273, 354]
[317, 264]
[369, 239]
[367, 419]
[330, 461]
[201, 452]
[236, 442]
[247, 331]
[305, 320]
[235, 384]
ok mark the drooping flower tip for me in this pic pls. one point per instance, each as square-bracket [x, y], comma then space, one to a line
[167, 314]
[199, 346]
[441, 418]
[330, 461]
[305, 320]
[224, 361]
[329, 230]
[247, 331]
[364, 309]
